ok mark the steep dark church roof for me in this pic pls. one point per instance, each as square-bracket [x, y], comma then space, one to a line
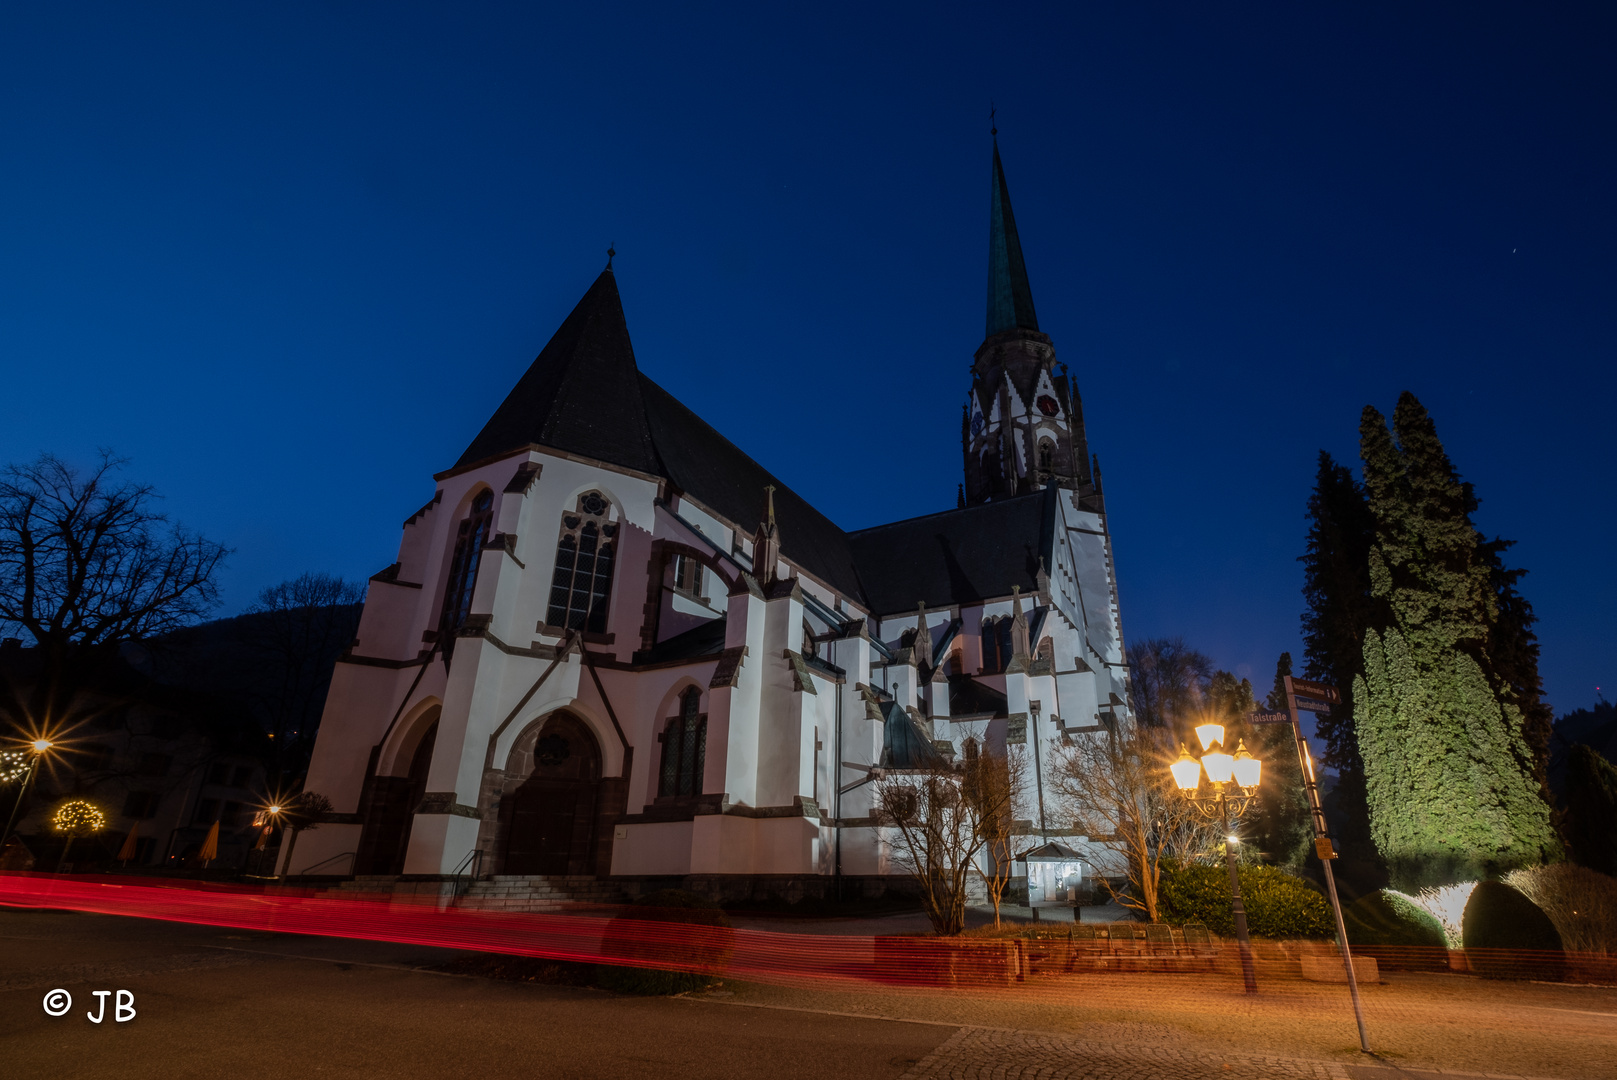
[585, 395]
[1010, 298]
[581, 394]
[959, 556]
[719, 475]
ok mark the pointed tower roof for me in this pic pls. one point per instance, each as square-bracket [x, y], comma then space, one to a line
[1010, 299]
[582, 394]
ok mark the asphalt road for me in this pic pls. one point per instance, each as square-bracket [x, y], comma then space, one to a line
[215, 1002]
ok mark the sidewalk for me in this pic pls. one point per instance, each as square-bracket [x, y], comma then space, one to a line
[1173, 1025]
[915, 922]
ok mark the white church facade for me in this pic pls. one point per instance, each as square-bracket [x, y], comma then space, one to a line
[615, 646]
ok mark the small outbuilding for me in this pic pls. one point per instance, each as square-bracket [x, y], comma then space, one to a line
[1055, 874]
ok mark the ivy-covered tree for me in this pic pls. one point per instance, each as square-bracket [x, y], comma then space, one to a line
[1451, 780]
[1336, 588]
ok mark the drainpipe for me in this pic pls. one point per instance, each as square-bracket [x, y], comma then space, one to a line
[836, 790]
[1038, 769]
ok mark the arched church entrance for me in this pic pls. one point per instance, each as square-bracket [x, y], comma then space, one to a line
[552, 815]
[391, 813]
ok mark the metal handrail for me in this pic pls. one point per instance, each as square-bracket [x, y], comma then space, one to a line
[344, 855]
[465, 874]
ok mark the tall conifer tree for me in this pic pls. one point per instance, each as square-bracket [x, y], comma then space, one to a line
[1451, 779]
[1336, 586]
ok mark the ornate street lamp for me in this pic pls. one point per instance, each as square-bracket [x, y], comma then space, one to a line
[1225, 771]
[37, 749]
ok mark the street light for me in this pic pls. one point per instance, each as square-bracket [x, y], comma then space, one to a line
[1224, 770]
[39, 748]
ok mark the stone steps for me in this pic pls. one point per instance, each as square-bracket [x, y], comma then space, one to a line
[511, 892]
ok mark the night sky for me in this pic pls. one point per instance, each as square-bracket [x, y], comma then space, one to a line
[288, 258]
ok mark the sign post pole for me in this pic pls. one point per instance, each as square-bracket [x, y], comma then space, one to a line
[1318, 697]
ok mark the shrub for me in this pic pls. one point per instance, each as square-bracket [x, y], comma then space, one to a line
[1507, 936]
[1581, 903]
[1385, 918]
[1278, 904]
[692, 960]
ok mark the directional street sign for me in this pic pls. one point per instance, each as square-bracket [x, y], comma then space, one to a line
[1310, 705]
[1323, 691]
[1261, 717]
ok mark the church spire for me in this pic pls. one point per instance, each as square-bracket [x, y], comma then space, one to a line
[1010, 299]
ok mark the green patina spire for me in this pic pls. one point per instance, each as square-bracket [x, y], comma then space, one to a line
[1010, 299]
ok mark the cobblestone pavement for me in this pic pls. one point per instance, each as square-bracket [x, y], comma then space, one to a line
[988, 1054]
[1142, 1025]
[993, 1054]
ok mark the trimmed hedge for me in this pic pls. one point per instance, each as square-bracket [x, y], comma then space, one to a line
[709, 955]
[1384, 918]
[1278, 904]
[1507, 936]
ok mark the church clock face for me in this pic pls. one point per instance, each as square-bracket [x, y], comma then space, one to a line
[1047, 405]
[976, 423]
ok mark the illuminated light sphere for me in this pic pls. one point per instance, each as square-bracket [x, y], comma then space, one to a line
[79, 818]
[41, 745]
[275, 809]
[13, 767]
[1187, 771]
[1219, 765]
[1209, 734]
[1248, 769]
[1232, 838]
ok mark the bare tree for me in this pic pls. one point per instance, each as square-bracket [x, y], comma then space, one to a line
[939, 819]
[86, 564]
[998, 783]
[1168, 681]
[301, 626]
[1117, 783]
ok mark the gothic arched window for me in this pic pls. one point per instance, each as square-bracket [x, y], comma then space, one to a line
[1047, 453]
[996, 645]
[684, 749]
[469, 541]
[584, 557]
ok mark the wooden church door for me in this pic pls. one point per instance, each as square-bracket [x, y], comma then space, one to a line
[552, 815]
[386, 837]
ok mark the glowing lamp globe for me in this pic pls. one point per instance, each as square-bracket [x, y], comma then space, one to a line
[1219, 765]
[41, 745]
[1210, 734]
[1248, 769]
[1187, 771]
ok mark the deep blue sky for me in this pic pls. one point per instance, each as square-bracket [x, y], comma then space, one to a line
[287, 258]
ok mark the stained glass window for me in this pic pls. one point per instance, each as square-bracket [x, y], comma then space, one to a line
[684, 748]
[473, 534]
[582, 582]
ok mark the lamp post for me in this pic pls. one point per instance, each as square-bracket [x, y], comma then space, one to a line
[1224, 770]
[38, 748]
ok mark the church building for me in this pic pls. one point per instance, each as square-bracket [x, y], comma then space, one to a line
[615, 646]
